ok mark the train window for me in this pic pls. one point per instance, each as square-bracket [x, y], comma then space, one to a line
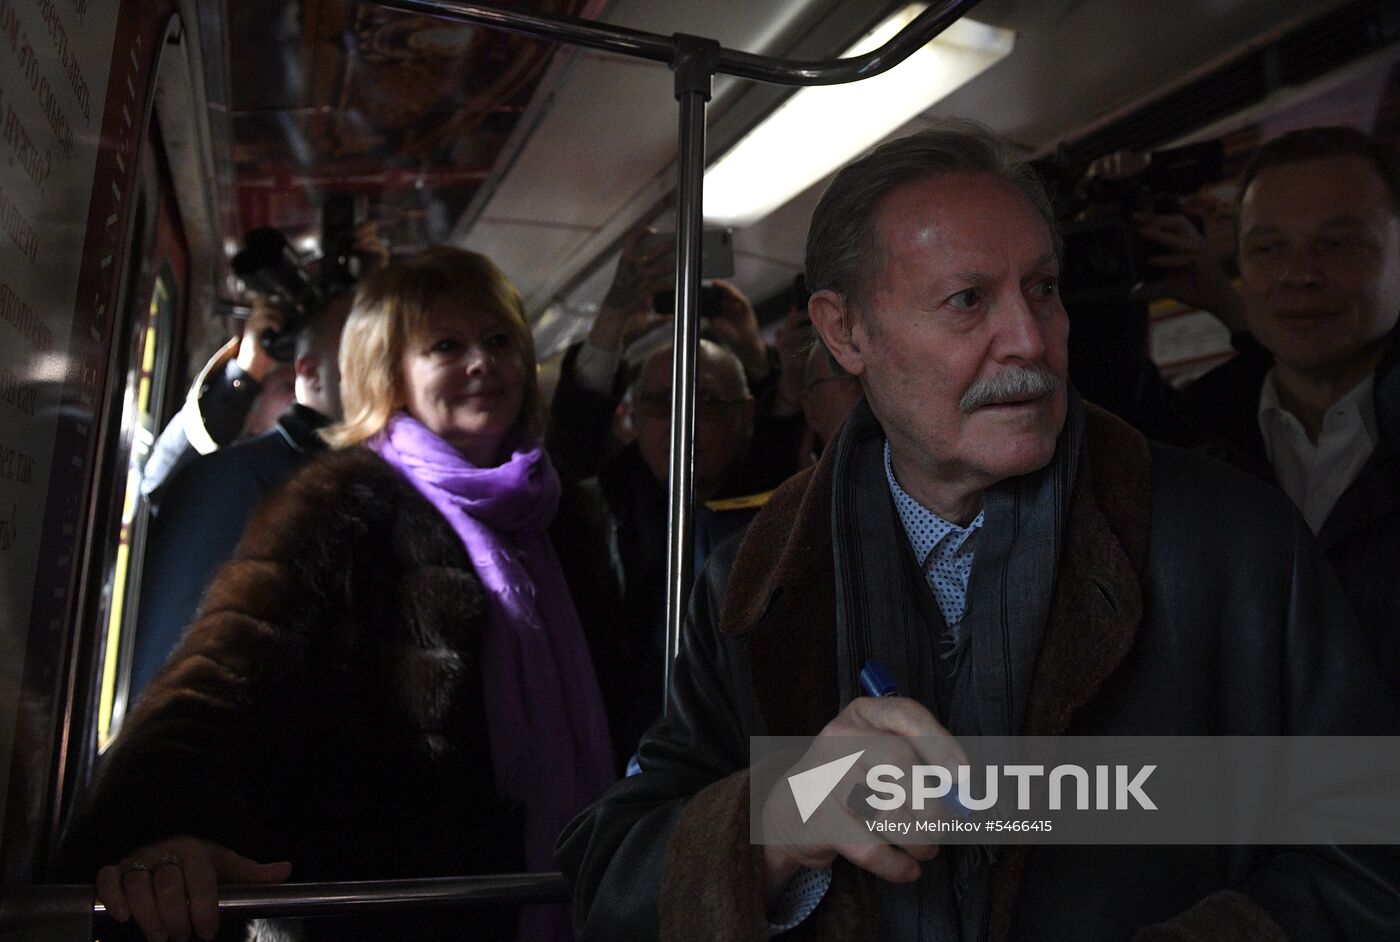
[149, 353]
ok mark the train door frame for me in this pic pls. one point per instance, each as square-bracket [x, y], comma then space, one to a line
[156, 181]
[160, 301]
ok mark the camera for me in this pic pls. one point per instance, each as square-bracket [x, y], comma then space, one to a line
[1104, 257]
[716, 261]
[711, 301]
[270, 266]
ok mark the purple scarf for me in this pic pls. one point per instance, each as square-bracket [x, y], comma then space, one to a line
[550, 748]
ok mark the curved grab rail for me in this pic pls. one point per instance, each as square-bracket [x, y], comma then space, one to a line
[325, 899]
[654, 46]
[49, 909]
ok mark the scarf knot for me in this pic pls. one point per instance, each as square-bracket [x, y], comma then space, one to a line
[520, 495]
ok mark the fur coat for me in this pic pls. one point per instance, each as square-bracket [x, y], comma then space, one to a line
[326, 707]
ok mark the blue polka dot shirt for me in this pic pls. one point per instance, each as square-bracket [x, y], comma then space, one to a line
[944, 550]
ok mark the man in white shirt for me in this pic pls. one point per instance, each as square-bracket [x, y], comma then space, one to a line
[1319, 255]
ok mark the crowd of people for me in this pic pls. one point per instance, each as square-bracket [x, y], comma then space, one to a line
[416, 628]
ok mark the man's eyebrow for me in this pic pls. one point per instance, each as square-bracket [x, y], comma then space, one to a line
[967, 276]
[1344, 221]
[1050, 259]
[973, 276]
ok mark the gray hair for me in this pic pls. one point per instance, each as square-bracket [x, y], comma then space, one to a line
[841, 250]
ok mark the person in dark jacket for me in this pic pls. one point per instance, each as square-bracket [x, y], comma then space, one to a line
[392, 677]
[1023, 564]
[743, 448]
[208, 501]
[1312, 403]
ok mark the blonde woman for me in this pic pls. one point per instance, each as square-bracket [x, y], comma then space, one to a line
[391, 678]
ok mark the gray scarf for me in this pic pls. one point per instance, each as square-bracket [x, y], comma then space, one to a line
[975, 680]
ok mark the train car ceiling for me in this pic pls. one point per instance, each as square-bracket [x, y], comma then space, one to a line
[544, 157]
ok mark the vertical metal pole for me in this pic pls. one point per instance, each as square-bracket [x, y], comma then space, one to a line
[694, 67]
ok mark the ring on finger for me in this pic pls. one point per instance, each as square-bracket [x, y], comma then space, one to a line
[136, 866]
[171, 859]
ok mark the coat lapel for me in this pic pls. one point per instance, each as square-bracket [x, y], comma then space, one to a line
[787, 607]
[1098, 603]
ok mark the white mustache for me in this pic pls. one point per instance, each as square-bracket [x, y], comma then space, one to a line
[1013, 384]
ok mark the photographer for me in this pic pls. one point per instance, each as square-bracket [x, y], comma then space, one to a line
[226, 391]
[1129, 239]
[218, 402]
[208, 494]
[207, 503]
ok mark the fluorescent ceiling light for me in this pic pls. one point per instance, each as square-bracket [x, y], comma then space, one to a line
[822, 127]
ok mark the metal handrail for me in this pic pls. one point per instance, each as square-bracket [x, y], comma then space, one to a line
[660, 48]
[26, 906]
[358, 896]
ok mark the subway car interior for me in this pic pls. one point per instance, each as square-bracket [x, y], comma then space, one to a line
[146, 142]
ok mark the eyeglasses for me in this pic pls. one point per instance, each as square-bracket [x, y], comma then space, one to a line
[707, 408]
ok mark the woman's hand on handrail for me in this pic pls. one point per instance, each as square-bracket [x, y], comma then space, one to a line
[171, 887]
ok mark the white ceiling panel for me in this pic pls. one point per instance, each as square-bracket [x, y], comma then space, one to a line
[575, 168]
[518, 247]
[1077, 64]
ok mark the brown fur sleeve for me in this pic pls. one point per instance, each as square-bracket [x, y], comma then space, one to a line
[226, 703]
[713, 882]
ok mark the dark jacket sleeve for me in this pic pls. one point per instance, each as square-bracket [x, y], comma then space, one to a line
[580, 423]
[1333, 689]
[205, 508]
[1327, 685]
[214, 410]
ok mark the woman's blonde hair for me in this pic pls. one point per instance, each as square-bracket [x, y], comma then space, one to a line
[391, 308]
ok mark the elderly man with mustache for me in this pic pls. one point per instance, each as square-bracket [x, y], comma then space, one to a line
[1023, 564]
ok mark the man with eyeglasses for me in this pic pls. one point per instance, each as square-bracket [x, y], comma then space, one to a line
[743, 448]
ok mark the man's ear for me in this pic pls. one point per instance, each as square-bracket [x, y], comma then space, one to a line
[834, 318]
[308, 367]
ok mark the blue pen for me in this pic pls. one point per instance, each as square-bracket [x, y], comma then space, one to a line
[876, 681]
